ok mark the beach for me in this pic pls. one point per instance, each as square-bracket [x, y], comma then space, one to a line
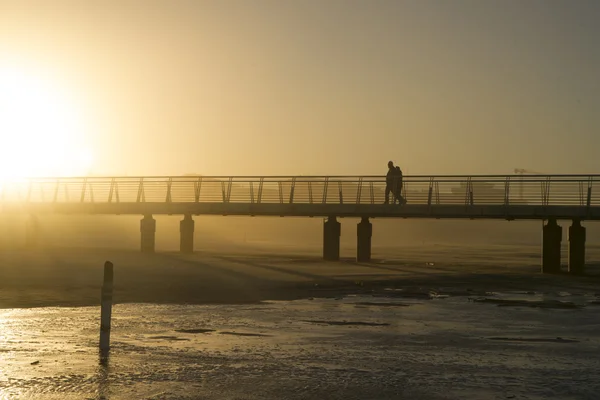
[269, 319]
[245, 274]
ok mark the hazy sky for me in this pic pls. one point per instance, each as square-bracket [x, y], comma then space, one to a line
[321, 87]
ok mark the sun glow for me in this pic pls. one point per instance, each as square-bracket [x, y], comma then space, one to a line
[41, 130]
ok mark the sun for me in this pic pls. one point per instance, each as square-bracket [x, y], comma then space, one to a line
[41, 129]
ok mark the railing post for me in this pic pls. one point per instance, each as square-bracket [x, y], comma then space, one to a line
[169, 185]
[341, 194]
[471, 193]
[372, 192]
[91, 192]
[521, 187]
[280, 186]
[359, 190]
[56, 190]
[546, 192]
[111, 190]
[141, 195]
[325, 187]
[292, 190]
[507, 191]
[430, 192]
[468, 191]
[260, 189]
[251, 192]
[310, 192]
[589, 196]
[543, 186]
[83, 190]
[229, 189]
[197, 188]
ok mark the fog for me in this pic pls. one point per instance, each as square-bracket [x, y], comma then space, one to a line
[313, 87]
[123, 232]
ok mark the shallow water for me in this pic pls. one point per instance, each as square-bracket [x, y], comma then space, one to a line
[358, 347]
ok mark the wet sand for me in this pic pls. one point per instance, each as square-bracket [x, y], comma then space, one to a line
[234, 275]
[441, 348]
[445, 323]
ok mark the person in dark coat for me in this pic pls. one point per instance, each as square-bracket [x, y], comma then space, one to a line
[390, 182]
[398, 187]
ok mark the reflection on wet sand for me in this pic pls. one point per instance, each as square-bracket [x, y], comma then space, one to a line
[308, 348]
[103, 371]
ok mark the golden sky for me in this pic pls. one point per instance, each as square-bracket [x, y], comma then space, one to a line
[308, 87]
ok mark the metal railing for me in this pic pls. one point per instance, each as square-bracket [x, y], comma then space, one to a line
[572, 190]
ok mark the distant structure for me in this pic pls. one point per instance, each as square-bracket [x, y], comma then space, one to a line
[520, 172]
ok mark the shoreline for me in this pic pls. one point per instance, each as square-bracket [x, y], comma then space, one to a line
[65, 278]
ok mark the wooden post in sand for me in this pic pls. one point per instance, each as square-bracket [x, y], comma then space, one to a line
[106, 307]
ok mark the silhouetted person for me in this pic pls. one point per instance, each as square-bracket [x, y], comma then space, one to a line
[389, 182]
[398, 186]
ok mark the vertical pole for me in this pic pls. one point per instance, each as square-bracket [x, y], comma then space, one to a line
[106, 307]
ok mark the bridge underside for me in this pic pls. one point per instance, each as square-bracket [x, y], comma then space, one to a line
[514, 212]
[551, 233]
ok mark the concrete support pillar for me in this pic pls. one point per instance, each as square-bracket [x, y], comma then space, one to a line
[364, 232]
[32, 232]
[331, 239]
[148, 230]
[551, 239]
[186, 231]
[576, 248]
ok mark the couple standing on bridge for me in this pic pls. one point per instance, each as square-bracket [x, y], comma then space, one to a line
[393, 184]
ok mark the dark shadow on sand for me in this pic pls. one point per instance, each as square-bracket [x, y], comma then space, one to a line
[301, 274]
[199, 330]
[535, 340]
[345, 323]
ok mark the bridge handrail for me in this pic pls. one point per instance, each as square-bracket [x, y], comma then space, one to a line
[237, 177]
[432, 190]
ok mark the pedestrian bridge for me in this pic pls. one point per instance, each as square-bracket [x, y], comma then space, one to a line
[543, 197]
[500, 197]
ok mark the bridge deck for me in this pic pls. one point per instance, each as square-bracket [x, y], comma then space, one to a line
[505, 197]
